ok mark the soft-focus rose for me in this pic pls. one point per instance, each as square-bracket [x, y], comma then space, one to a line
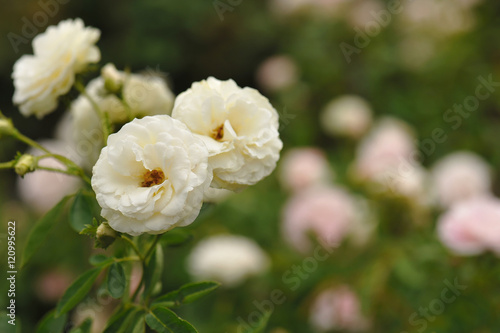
[460, 175]
[327, 212]
[59, 53]
[348, 115]
[151, 176]
[338, 309]
[387, 160]
[319, 7]
[471, 227]
[239, 127]
[228, 259]
[145, 94]
[42, 189]
[277, 72]
[304, 167]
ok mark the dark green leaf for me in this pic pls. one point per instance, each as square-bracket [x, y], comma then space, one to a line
[100, 260]
[137, 324]
[123, 320]
[80, 213]
[50, 324]
[77, 291]
[175, 237]
[42, 229]
[186, 294]
[165, 321]
[116, 281]
[85, 327]
[153, 271]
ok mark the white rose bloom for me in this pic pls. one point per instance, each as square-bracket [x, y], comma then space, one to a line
[348, 115]
[146, 95]
[59, 53]
[239, 127]
[459, 176]
[216, 195]
[228, 259]
[151, 176]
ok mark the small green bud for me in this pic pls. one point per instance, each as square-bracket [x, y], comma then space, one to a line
[25, 163]
[105, 235]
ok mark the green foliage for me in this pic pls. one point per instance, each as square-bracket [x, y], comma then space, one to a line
[153, 271]
[81, 212]
[52, 324]
[85, 327]
[163, 320]
[77, 291]
[186, 294]
[116, 281]
[41, 230]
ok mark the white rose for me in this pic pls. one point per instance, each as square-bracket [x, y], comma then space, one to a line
[151, 176]
[146, 95]
[239, 127]
[59, 53]
[228, 259]
[348, 115]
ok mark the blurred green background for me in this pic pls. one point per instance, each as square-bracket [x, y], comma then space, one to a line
[189, 41]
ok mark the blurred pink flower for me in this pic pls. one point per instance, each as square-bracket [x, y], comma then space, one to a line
[472, 226]
[363, 12]
[459, 176]
[43, 189]
[337, 309]
[304, 167]
[50, 286]
[277, 72]
[327, 212]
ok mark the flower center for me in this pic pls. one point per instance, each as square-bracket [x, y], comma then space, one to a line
[218, 133]
[153, 177]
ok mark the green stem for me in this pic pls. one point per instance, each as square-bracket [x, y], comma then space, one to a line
[134, 247]
[150, 250]
[7, 165]
[73, 169]
[102, 115]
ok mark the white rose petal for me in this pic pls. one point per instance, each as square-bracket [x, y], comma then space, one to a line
[151, 176]
[147, 95]
[239, 127]
[59, 53]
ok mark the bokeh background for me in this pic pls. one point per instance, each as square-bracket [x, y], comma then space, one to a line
[413, 64]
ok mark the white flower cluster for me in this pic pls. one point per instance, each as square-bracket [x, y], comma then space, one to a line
[157, 170]
[59, 53]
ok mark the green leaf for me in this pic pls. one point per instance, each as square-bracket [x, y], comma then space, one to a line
[262, 324]
[80, 213]
[42, 229]
[85, 327]
[165, 321]
[116, 281]
[175, 237]
[100, 260]
[51, 324]
[152, 273]
[186, 294]
[137, 324]
[123, 320]
[77, 291]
